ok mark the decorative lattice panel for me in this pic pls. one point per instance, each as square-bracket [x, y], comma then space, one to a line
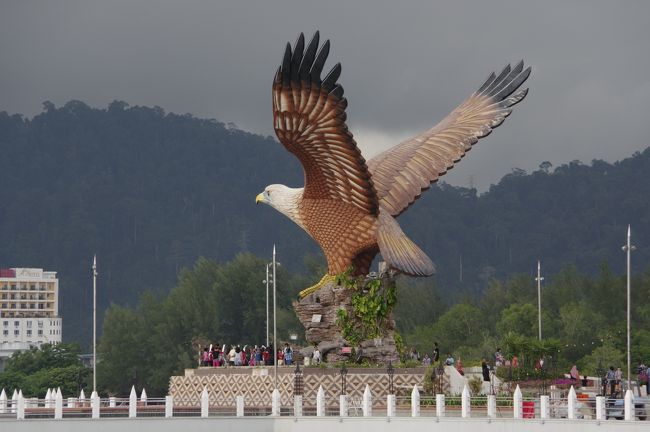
[256, 385]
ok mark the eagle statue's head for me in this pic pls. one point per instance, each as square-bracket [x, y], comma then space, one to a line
[284, 199]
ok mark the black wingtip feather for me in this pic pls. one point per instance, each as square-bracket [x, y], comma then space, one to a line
[321, 57]
[296, 59]
[337, 91]
[332, 76]
[308, 58]
[487, 82]
[286, 65]
[505, 82]
[307, 63]
[510, 87]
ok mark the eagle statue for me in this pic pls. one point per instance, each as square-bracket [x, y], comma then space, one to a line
[348, 205]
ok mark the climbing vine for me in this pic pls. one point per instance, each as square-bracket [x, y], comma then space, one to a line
[372, 303]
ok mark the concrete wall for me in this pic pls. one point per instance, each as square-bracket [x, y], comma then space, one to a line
[313, 424]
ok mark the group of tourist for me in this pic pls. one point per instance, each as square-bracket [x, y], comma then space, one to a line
[234, 355]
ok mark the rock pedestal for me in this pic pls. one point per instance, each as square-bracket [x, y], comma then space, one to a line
[318, 313]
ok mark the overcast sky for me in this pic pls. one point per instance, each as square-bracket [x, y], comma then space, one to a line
[405, 65]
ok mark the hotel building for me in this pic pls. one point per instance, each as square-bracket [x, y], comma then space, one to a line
[29, 309]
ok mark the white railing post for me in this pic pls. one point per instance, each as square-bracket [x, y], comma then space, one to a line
[239, 401]
[517, 405]
[14, 401]
[205, 403]
[143, 397]
[169, 406]
[297, 405]
[390, 405]
[465, 403]
[367, 402]
[629, 406]
[82, 398]
[600, 408]
[415, 402]
[572, 403]
[20, 406]
[343, 405]
[94, 404]
[48, 398]
[275, 403]
[58, 404]
[544, 407]
[72, 402]
[440, 405]
[3, 402]
[133, 403]
[491, 406]
[320, 402]
[112, 402]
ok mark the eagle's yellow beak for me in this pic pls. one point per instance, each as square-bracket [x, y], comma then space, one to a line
[259, 198]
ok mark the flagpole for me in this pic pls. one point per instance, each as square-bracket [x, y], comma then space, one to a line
[95, 323]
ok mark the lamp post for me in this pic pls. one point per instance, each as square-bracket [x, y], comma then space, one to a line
[600, 372]
[539, 280]
[94, 268]
[628, 248]
[267, 281]
[275, 344]
[344, 374]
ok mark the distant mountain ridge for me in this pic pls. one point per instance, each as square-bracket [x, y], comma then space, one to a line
[150, 192]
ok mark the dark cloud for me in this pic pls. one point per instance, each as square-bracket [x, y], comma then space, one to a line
[405, 66]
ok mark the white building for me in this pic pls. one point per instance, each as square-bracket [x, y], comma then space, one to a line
[29, 310]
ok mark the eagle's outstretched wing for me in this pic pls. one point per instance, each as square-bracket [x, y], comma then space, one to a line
[401, 173]
[309, 119]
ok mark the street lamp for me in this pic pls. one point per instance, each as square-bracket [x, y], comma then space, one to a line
[94, 269]
[600, 372]
[266, 281]
[275, 328]
[344, 374]
[539, 280]
[628, 248]
[391, 371]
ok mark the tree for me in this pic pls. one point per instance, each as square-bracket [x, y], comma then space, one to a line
[520, 319]
[605, 355]
[50, 366]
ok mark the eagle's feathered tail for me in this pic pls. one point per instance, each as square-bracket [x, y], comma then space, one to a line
[399, 251]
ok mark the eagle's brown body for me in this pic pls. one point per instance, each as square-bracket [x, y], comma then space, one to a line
[346, 234]
[348, 206]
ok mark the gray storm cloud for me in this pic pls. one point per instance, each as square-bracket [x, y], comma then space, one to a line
[405, 66]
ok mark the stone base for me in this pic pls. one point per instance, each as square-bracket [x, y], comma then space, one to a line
[318, 313]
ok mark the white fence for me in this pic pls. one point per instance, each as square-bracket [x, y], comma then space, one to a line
[54, 406]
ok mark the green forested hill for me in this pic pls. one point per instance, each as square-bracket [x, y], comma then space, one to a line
[150, 192]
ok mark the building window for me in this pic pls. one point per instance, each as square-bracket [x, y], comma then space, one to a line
[16, 323]
[16, 332]
[40, 332]
[5, 332]
[6, 323]
[29, 333]
[29, 324]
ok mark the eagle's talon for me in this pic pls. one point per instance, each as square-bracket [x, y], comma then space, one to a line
[312, 289]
